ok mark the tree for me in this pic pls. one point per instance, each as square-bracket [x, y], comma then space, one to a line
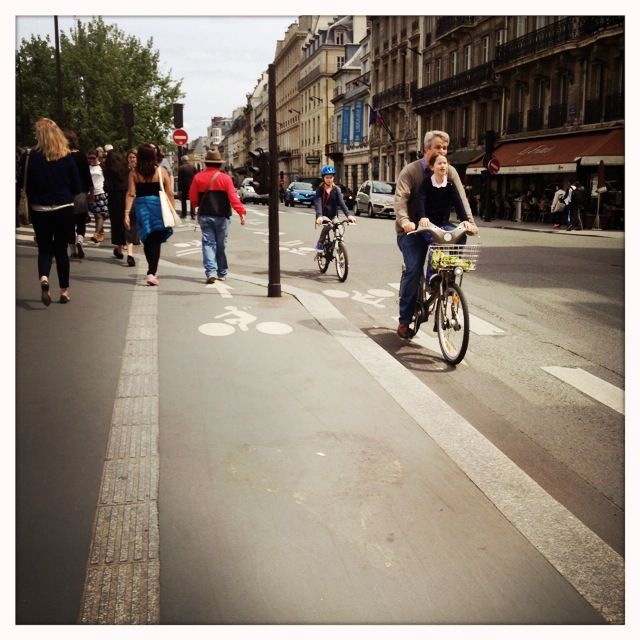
[102, 69]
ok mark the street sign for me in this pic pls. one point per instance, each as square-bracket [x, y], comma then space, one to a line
[180, 137]
[493, 166]
[313, 160]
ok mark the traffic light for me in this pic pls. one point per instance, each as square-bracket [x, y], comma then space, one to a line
[490, 143]
[127, 112]
[260, 167]
[177, 115]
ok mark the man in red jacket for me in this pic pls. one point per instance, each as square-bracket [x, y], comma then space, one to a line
[212, 194]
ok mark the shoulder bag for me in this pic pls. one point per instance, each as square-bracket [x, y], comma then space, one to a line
[169, 216]
[23, 206]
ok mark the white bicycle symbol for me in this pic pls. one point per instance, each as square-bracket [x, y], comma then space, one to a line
[235, 317]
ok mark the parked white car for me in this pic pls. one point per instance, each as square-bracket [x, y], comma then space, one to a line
[247, 193]
[376, 198]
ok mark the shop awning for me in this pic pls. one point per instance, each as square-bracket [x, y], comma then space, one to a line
[559, 154]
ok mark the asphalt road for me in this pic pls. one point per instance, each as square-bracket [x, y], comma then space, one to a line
[239, 484]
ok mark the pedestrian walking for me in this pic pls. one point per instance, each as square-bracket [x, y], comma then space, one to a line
[98, 205]
[81, 200]
[186, 173]
[557, 206]
[213, 195]
[144, 187]
[52, 182]
[116, 184]
[577, 206]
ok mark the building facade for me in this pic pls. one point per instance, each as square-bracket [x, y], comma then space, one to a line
[360, 92]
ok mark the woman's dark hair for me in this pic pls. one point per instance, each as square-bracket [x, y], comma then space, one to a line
[147, 163]
[115, 165]
[72, 139]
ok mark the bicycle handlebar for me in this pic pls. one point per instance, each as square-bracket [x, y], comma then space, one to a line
[442, 236]
[326, 221]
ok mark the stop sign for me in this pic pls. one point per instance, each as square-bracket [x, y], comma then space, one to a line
[493, 166]
[180, 137]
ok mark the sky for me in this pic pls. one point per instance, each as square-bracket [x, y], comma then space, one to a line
[219, 58]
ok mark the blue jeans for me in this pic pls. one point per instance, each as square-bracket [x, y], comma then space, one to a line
[414, 253]
[215, 230]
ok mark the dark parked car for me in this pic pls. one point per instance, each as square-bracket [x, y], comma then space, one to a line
[347, 195]
[299, 193]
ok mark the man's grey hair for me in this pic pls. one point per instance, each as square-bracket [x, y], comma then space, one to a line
[430, 135]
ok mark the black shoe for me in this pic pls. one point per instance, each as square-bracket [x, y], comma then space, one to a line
[130, 261]
[64, 299]
[45, 296]
[80, 250]
[117, 254]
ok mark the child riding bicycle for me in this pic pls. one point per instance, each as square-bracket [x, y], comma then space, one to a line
[326, 202]
[436, 196]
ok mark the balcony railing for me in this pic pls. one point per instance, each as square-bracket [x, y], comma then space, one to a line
[333, 149]
[448, 24]
[481, 75]
[614, 106]
[593, 111]
[555, 35]
[393, 95]
[557, 115]
[284, 153]
[515, 122]
[535, 119]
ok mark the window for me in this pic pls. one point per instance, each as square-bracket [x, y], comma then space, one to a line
[485, 49]
[499, 37]
[339, 38]
[467, 57]
[340, 62]
[427, 74]
[438, 70]
[454, 63]
[521, 26]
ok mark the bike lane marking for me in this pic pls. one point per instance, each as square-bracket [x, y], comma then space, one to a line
[590, 385]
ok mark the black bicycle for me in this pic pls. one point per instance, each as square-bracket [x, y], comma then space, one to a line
[334, 248]
[443, 295]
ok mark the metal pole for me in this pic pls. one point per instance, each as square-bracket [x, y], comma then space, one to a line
[58, 76]
[274, 290]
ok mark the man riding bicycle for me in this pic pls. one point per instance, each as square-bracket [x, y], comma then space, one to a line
[414, 247]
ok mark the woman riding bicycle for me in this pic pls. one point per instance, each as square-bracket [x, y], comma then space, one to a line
[326, 202]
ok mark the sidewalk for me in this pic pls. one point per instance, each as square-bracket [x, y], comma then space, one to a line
[546, 227]
[192, 454]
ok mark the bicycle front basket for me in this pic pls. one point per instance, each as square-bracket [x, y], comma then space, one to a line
[450, 256]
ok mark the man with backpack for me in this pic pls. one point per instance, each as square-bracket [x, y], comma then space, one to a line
[577, 205]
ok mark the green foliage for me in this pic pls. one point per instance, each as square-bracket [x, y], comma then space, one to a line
[101, 69]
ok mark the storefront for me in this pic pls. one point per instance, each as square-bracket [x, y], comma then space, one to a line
[537, 164]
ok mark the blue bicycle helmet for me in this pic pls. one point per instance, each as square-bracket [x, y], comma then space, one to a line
[327, 170]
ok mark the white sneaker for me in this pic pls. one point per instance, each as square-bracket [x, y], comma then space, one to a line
[152, 280]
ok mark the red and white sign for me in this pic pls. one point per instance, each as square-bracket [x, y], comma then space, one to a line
[180, 137]
[493, 166]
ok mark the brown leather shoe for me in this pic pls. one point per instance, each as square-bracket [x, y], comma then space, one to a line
[403, 331]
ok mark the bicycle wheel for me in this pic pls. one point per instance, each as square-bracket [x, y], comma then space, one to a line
[342, 261]
[452, 324]
[324, 258]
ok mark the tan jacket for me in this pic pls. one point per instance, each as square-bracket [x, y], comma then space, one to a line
[407, 186]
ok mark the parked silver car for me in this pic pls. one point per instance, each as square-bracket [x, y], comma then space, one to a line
[248, 194]
[376, 198]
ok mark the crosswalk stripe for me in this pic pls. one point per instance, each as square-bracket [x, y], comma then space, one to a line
[483, 328]
[590, 385]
